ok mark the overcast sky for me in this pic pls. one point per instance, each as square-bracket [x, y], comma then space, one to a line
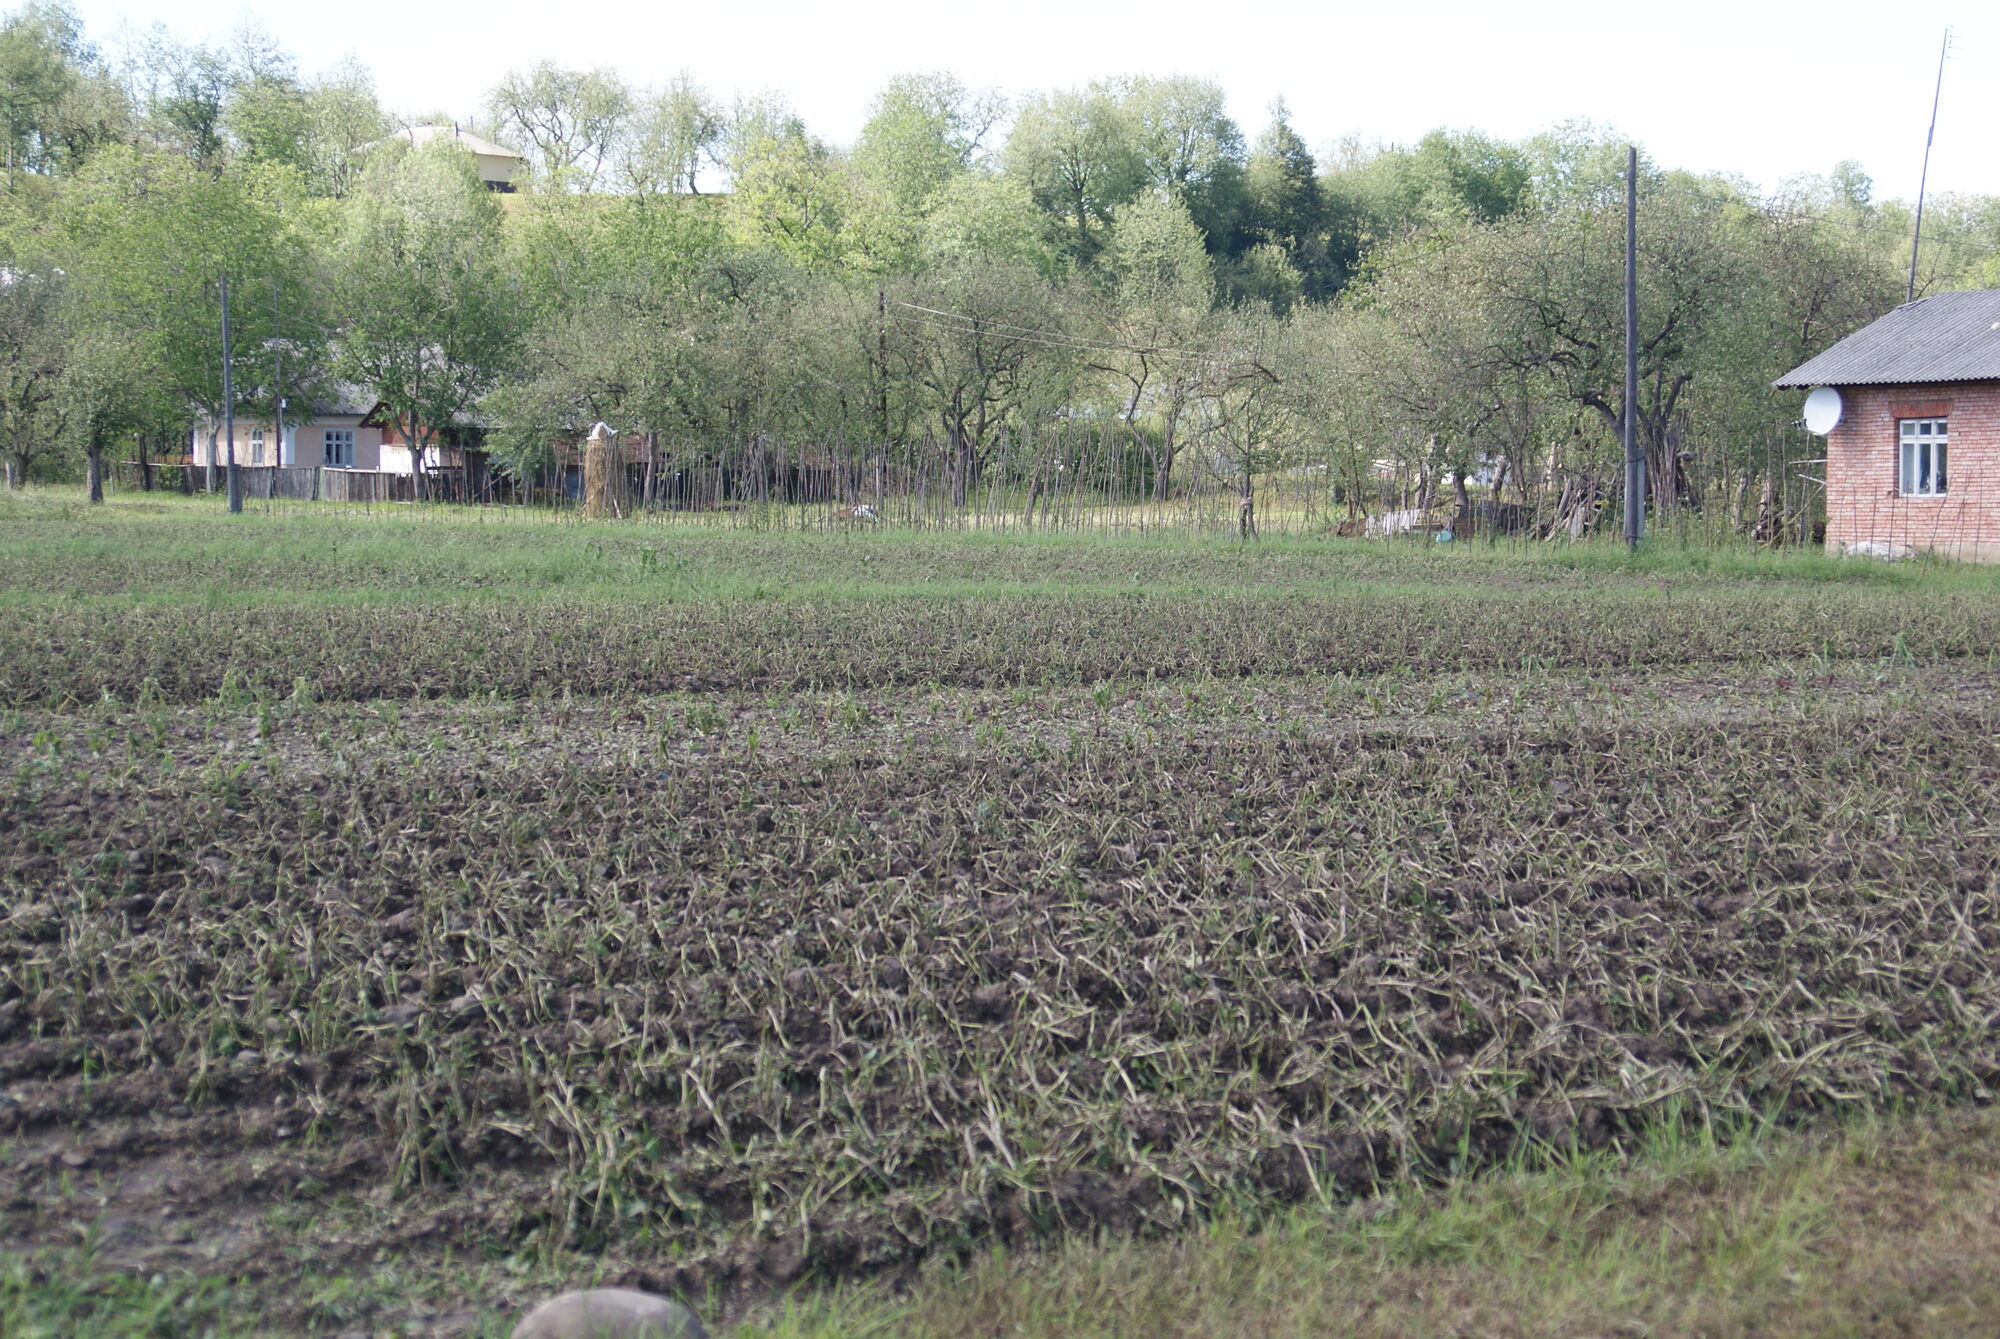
[1756, 88]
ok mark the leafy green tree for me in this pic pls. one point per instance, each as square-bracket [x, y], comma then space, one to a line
[1154, 321]
[184, 98]
[979, 345]
[148, 237]
[571, 121]
[316, 128]
[33, 356]
[1576, 165]
[1446, 178]
[789, 191]
[1077, 152]
[1425, 368]
[57, 100]
[991, 219]
[923, 132]
[1190, 148]
[418, 277]
[1285, 208]
[1246, 425]
[670, 135]
[618, 324]
[110, 389]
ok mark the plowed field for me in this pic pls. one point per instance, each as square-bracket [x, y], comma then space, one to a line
[749, 943]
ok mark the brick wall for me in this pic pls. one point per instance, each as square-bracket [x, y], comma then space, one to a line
[1864, 500]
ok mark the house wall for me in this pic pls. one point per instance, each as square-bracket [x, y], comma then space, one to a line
[493, 167]
[397, 458]
[1864, 501]
[309, 443]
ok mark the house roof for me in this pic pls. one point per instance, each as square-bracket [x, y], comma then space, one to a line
[1944, 337]
[475, 143]
[340, 398]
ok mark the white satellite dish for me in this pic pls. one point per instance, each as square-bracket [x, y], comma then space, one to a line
[1822, 411]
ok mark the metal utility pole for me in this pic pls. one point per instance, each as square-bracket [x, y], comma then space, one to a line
[229, 406]
[1910, 293]
[1635, 462]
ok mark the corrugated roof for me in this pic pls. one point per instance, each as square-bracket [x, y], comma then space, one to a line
[1944, 337]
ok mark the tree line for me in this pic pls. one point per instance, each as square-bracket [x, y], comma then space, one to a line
[975, 274]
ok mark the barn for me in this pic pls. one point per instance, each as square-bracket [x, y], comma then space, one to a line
[1913, 449]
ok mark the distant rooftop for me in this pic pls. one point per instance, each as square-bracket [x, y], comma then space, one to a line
[475, 143]
[1944, 337]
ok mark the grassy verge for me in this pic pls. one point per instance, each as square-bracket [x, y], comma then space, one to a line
[183, 552]
[1885, 1226]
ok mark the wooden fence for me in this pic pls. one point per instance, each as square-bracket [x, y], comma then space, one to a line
[1092, 476]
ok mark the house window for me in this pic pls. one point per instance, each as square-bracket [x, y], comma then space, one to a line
[340, 448]
[256, 446]
[1923, 456]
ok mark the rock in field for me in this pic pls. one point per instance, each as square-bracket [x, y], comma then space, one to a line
[1875, 548]
[609, 1313]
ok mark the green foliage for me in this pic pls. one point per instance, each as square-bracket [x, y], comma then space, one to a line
[1440, 313]
[789, 191]
[570, 121]
[1075, 152]
[417, 268]
[670, 135]
[151, 236]
[58, 101]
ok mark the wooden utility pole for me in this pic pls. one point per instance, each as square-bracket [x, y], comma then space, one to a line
[1635, 462]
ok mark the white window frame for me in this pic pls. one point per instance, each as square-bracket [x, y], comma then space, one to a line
[339, 448]
[256, 446]
[1923, 457]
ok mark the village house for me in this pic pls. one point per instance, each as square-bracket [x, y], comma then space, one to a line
[501, 168]
[342, 429]
[1913, 439]
[348, 430]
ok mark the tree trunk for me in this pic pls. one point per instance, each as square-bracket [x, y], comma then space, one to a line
[93, 466]
[416, 458]
[1163, 472]
[1246, 512]
[1770, 527]
[961, 462]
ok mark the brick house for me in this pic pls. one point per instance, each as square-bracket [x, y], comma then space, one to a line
[1914, 461]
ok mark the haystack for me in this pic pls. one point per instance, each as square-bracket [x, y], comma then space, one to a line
[606, 490]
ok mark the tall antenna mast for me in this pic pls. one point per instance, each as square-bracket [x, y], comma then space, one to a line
[1910, 294]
